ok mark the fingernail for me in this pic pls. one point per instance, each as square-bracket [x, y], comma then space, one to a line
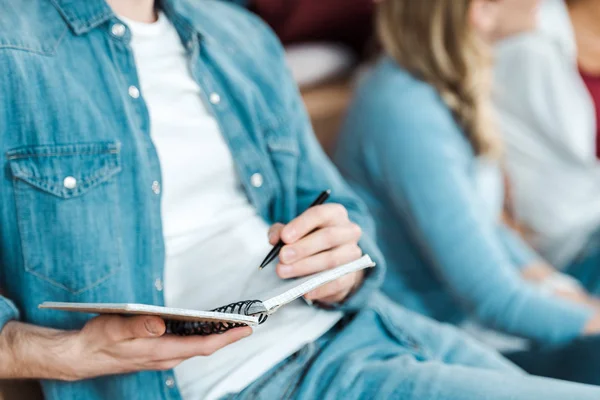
[285, 271]
[287, 254]
[248, 332]
[152, 327]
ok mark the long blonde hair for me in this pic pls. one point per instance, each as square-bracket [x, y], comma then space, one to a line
[435, 41]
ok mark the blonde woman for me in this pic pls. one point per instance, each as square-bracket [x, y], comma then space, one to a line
[420, 145]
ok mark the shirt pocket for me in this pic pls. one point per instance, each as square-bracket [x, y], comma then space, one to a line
[67, 210]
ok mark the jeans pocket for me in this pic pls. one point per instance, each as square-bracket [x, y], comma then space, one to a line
[391, 316]
[66, 200]
[282, 381]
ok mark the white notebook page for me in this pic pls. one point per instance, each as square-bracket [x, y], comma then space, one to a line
[298, 288]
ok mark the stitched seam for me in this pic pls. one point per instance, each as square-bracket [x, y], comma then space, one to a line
[41, 52]
[88, 182]
[88, 24]
[33, 272]
[56, 154]
[255, 392]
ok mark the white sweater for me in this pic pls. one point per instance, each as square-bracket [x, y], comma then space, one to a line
[548, 120]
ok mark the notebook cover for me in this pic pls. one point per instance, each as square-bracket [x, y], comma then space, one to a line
[177, 314]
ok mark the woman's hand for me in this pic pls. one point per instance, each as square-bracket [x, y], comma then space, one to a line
[321, 238]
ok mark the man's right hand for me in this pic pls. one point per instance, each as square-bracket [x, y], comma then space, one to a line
[106, 345]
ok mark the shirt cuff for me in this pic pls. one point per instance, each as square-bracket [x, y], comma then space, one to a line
[8, 312]
[371, 282]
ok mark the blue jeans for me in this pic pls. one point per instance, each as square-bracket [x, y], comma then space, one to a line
[586, 268]
[387, 352]
[579, 360]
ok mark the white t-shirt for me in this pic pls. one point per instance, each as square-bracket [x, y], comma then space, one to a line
[214, 237]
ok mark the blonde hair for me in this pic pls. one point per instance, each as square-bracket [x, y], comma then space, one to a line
[435, 41]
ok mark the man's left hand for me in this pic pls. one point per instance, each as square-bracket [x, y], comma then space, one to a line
[321, 238]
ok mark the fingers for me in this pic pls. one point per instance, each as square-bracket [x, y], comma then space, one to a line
[175, 347]
[313, 218]
[275, 233]
[318, 241]
[321, 261]
[335, 291]
[142, 326]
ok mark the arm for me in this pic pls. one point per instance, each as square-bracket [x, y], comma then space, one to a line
[545, 116]
[8, 311]
[539, 98]
[106, 345]
[521, 255]
[316, 173]
[428, 181]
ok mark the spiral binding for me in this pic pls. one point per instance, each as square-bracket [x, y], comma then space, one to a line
[205, 328]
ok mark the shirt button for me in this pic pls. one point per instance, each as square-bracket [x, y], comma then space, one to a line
[170, 382]
[156, 187]
[215, 98]
[256, 180]
[70, 182]
[158, 285]
[118, 30]
[134, 92]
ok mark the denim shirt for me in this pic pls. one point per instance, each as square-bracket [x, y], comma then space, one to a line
[80, 216]
[403, 152]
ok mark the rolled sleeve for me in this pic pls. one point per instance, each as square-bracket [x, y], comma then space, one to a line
[8, 311]
[372, 281]
[316, 173]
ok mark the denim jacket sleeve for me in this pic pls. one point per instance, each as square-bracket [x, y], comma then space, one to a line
[520, 253]
[317, 173]
[424, 160]
[8, 311]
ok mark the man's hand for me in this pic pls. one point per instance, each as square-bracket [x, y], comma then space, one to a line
[106, 345]
[321, 238]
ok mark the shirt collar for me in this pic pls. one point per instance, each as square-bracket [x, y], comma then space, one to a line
[83, 15]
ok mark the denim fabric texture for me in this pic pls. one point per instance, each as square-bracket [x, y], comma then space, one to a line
[80, 216]
[386, 352]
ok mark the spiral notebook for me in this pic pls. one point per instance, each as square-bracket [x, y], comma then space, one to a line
[186, 322]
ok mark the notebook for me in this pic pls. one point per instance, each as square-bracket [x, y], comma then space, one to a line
[185, 322]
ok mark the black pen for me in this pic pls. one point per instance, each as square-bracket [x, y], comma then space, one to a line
[277, 248]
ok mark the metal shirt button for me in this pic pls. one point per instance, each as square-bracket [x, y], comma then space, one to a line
[134, 92]
[170, 382]
[70, 182]
[118, 30]
[215, 98]
[158, 285]
[256, 180]
[156, 187]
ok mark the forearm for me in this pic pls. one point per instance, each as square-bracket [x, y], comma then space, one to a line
[520, 253]
[525, 311]
[32, 352]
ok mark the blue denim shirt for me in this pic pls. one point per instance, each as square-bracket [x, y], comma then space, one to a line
[66, 112]
[403, 152]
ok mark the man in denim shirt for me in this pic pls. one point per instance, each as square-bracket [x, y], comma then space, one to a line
[85, 118]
